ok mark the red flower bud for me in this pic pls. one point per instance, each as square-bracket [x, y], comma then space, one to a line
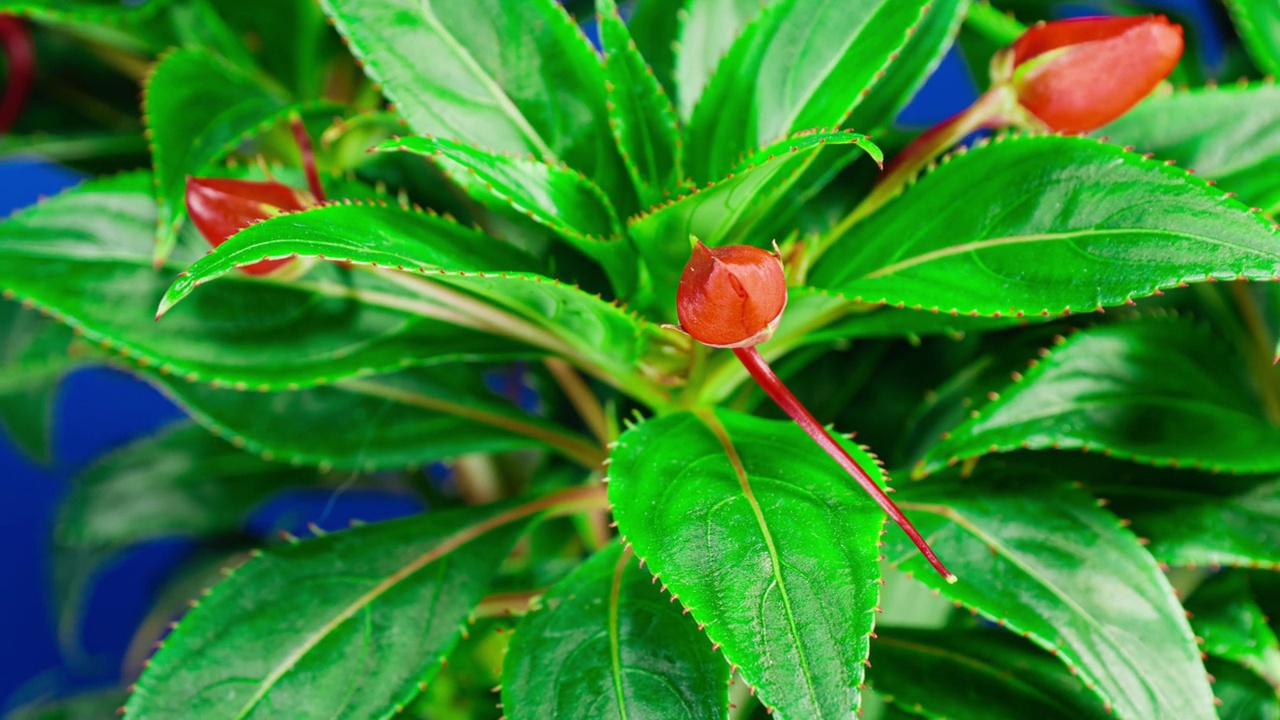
[1078, 75]
[222, 207]
[731, 296]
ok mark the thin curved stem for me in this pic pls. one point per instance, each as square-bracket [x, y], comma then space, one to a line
[770, 383]
[20, 57]
[308, 157]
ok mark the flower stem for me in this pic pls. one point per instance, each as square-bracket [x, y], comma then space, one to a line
[770, 383]
[308, 156]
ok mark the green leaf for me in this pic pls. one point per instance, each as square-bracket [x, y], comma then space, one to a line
[35, 353]
[511, 75]
[182, 482]
[655, 25]
[765, 540]
[801, 64]
[975, 674]
[720, 213]
[87, 706]
[381, 423]
[85, 257]
[597, 335]
[1258, 22]
[1244, 695]
[1039, 556]
[1157, 391]
[198, 109]
[554, 196]
[1234, 628]
[349, 624]
[1194, 520]
[1046, 225]
[620, 649]
[640, 115]
[1230, 134]
[707, 31]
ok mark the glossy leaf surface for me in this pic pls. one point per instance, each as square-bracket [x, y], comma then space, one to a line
[974, 674]
[186, 142]
[708, 30]
[1039, 556]
[85, 256]
[1228, 134]
[640, 114]
[183, 481]
[1046, 225]
[697, 494]
[619, 648]
[375, 610]
[655, 26]
[511, 75]
[1234, 628]
[1157, 391]
[801, 64]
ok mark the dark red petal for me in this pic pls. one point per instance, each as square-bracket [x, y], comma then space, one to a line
[221, 207]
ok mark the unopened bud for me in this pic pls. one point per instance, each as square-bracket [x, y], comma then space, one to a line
[222, 207]
[731, 296]
[1078, 75]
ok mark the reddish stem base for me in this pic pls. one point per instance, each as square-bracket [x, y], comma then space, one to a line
[770, 383]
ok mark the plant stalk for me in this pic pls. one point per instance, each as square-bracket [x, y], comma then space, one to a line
[308, 157]
[792, 406]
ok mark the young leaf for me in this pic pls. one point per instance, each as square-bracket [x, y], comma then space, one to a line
[599, 336]
[34, 355]
[719, 212]
[640, 115]
[620, 649]
[511, 75]
[1046, 225]
[554, 196]
[1228, 134]
[800, 64]
[182, 482]
[85, 258]
[1157, 391]
[353, 623]
[382, 423]
[765, 540]
[975, 674]
[1234, 628]
[707, 31]
[1041, 558]
[1194, 520]
[198, 109]
[1258, 22]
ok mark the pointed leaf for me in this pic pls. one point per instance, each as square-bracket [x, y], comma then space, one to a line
[1046, 225]
[182, 482]
[382, 423]
[655, 25]
[1198, 520]
[1258, 22]
[716, 212]
[85, 257]
[1040, 557]
[800, 64]
[198, 109]
[766, 542]
[707, 32]
[349, 624]
[554, 196]
[620, 649]
[975, 674]
[599, 336]
[1234, 628]
[511, 75]
[640, 115]
[1157, 391]
[1230, 134]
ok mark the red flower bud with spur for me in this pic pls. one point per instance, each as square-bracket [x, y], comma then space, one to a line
[733, 297]
[222, 207]
[1078, 75]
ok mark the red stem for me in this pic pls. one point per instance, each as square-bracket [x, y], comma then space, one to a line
[308, 157]
[20, 56]
[770, 383]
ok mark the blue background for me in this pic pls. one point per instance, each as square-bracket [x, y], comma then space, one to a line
[99, 410]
